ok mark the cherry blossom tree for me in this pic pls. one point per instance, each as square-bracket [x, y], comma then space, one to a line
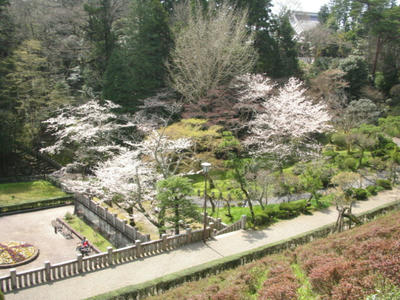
[286, 125]
[90, 131]
[125, 173]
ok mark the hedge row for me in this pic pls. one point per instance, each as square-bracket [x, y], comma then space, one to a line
[281, 211]
[164, 283]
[47, 203]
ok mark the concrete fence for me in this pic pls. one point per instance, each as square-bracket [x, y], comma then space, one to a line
[81, 265]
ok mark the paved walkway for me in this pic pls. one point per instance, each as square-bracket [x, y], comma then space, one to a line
[35, 228]
[142, 270]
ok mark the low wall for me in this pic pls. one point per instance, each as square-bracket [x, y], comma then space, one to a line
[162, 284]
[14, 179]
[117, 231]
[37, 205]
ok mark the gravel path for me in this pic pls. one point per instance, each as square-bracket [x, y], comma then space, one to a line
[142, 270]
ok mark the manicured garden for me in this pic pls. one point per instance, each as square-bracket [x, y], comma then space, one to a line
[25, 192]
[362, 263]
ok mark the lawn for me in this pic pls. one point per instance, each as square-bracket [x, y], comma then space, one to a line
[24, 192]
[94, 237]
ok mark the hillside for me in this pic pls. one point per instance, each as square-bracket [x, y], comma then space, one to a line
[351, 265]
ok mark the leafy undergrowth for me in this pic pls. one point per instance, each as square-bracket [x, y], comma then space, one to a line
[348, 265]
[356, 264]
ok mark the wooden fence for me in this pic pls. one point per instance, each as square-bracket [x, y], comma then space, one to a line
[80, 265]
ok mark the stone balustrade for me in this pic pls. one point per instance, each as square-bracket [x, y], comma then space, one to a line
[241, 224]
[80, 265]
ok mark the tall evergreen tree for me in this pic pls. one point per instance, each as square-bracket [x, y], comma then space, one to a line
[102, 15]
[286, 61]
[136, 69]
[8, 122]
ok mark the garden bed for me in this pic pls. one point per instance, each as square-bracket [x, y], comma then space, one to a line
[13, 254]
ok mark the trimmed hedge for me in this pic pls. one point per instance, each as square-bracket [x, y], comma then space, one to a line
[158, 285]
[372, 189]
[47, 203]
[282, 211]
[384, 183]
[360, 194]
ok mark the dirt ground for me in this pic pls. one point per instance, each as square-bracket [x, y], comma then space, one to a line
[35, 228]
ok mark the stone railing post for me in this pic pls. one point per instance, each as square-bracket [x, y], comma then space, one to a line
[124, 225]
[80, 264]
[208, 232]
[219, 221]
[13, 275]
[164, 241]
[188, 235]
[244, 220]
[138, 245]
[115, 216]
[47, 270]
[212, 229]
[110, 256]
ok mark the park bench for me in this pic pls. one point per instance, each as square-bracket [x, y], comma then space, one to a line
[59, 227]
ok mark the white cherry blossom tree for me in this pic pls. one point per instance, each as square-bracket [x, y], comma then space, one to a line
[90, 131]
[286, 125]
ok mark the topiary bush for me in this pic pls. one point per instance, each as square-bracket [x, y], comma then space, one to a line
[360, 194]
[294, 208]
[384, 183]
[339, 139]
[350, 163]
[372, 189]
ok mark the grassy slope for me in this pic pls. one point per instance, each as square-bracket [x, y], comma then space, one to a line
[23, 192]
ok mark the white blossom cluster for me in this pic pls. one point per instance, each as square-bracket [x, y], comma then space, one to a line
[88, 125]
[287, 122]
[253, 86]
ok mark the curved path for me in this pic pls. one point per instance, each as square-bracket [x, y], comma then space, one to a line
[142, 270]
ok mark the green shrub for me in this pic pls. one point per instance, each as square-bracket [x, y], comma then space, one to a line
[390, 146]
[379, 189]
[292, 209]
[350, 163]
[378, 153]
[372, 189]
[263, 218]
[286, 214]
[339, 139]
[384, 183]
[360, 194]
[1, 296]
[68, 216]
[377, 164]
